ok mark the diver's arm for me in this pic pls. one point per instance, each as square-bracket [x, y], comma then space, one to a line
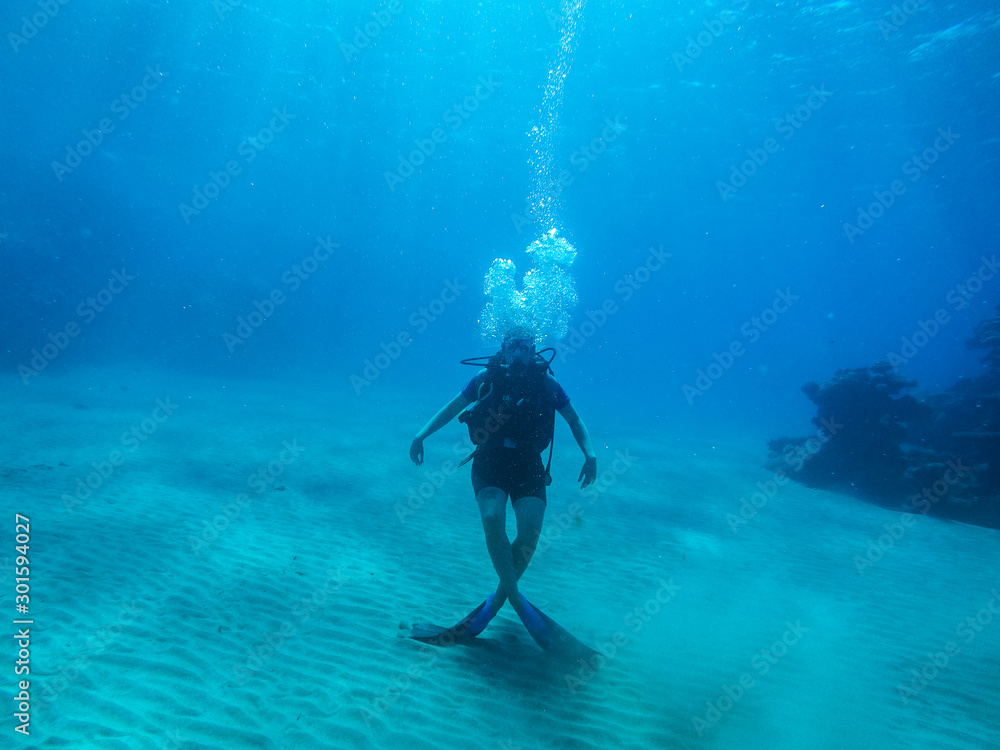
[439, 420]
[588, 474]
[579, 430]
[444, 416]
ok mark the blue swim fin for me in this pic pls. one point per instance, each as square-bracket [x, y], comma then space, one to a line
[462, 632]
[476, 621]
[539, 626]
[546, 632]
[550, 635]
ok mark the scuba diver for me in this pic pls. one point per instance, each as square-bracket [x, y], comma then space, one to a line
[511, 421]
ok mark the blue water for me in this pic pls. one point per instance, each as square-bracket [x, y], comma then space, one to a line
[310, 194]
[353, 112]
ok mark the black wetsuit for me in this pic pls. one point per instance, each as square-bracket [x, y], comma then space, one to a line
[519, 428]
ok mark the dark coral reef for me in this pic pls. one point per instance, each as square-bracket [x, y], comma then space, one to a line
[938, 456]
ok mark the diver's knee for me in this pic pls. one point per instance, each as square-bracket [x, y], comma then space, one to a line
[493, 520]
[522, 555]
[525, 549]
[528, 538]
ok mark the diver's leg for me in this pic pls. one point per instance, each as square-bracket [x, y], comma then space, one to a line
[529, 512]
[493, 509]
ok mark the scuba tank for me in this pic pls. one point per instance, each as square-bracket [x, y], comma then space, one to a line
[508, 410]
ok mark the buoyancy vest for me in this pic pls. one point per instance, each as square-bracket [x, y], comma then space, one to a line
[512, 411]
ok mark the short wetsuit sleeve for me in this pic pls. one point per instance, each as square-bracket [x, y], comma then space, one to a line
[471, 390]
[556, 393]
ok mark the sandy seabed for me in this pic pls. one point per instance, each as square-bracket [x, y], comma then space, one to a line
[236, 565]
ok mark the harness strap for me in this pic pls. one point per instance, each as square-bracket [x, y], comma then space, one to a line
[548, 476]
[492, 362]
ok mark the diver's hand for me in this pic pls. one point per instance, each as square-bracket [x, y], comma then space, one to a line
[588, 474]
[417, 451]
